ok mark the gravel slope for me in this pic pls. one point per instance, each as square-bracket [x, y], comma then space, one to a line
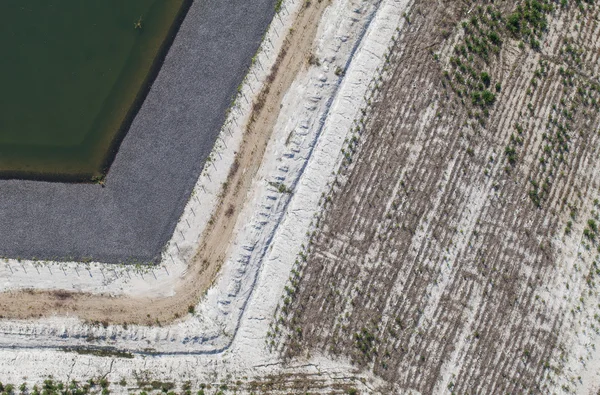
[160, 159]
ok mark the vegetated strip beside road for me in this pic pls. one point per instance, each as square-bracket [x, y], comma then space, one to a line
[215, 240]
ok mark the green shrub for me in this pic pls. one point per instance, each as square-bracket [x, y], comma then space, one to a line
[278, 5]
[488, 97]
[592, 225]
[485, 78]
[514, 23]
[535, 197]
[511, 155]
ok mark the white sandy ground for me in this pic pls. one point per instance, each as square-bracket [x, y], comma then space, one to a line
[575, 365]
[577, 360]
[229, 329]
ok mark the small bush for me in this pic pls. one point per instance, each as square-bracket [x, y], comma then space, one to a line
[278, 5]
[511, 155]
[485, 78]
[488, 97]
[592, 225]
[535, 197]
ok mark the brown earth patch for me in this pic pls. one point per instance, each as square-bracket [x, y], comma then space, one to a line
[439, 245]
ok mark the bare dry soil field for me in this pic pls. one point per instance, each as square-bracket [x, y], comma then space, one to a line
[470, 185]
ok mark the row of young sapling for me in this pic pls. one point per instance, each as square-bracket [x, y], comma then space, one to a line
[557, 140]
[142, 385]
[483, 34]
[565, 133]
[481, 41]
[590, 319]
[283, 328]
[364, 339]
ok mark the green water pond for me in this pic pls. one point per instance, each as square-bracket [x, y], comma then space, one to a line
[72, 75]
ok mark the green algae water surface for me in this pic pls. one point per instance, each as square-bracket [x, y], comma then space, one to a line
[72, 75]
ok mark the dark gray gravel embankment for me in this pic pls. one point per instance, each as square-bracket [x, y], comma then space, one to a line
[160, 158]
